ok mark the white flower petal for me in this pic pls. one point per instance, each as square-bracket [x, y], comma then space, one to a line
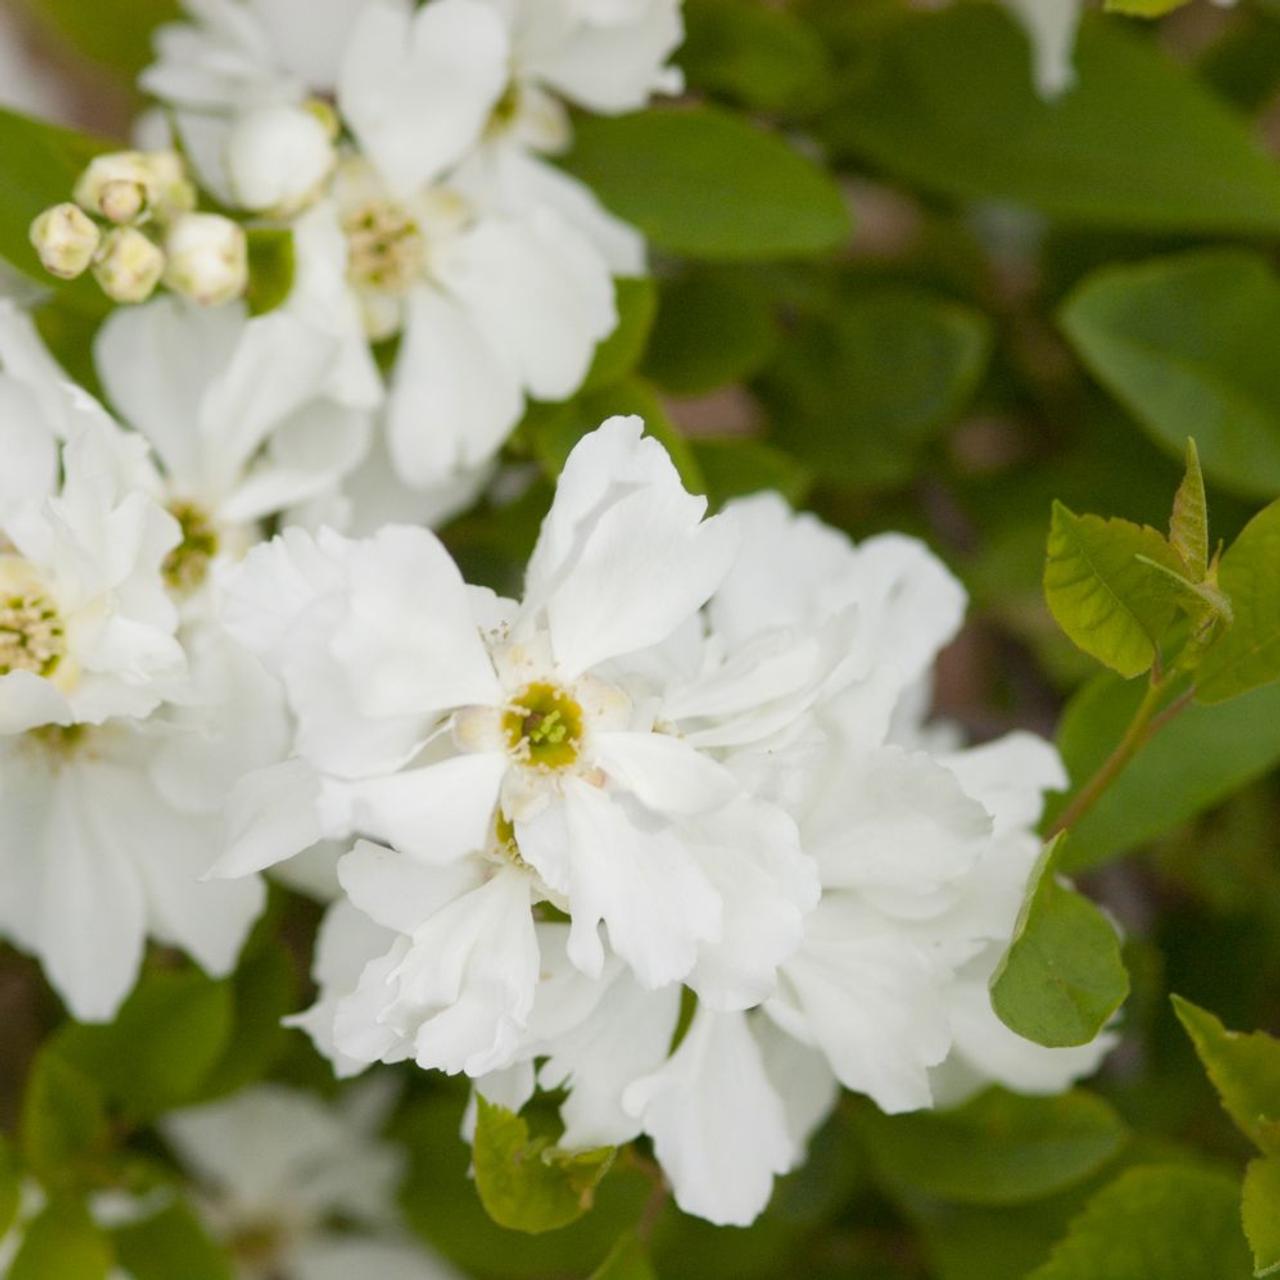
[663, 772]
[399, 892]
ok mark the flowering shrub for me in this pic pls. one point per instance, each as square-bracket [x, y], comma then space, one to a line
[690, 591]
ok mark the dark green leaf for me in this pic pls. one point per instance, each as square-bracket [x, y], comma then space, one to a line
[620, 352]
[734, 468]
[1111, 604]
[527, 1184]
[629, 1260]
[999, 1149]
[169, 1244]
[858, 395]
[1183, 342]
[1155, 1223]
[161, 1047]
[63, 1243]
[1245, 1070]
[763, 58]
[1195, 761]
[1062, 977]
[64, 1125]
[946, 101]
[703, 182]
[713, 329]
[271, 268]
[1261, 1214]
[1246, 655]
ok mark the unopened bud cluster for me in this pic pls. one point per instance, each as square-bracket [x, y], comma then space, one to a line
[133, 221]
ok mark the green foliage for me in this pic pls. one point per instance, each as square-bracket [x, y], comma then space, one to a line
[527, 1184]
[65, 1132]
[168, 1244]
[10, 1186]
[1245, 1070]
[734, 468]
[629, 1260]
[162, 1046]
[620, 352]
[115, 33]
[1247, 654]
[945, 101]
[713, 328]
[702, 182]
[1193, 763]
[860, 393]
[763, 58]
[1143, 8]
[1062, 977]
[1260, 1212]
[63, 1243]
[1154, 1223]
[1101, 591]
[999, 1148]
[1184, 342]
[271, 268]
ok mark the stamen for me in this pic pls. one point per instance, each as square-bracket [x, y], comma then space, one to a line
[543, 725]
[32, 637]
[386, 247]
[187, 565]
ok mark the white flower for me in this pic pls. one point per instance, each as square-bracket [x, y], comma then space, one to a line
[207, 258]
[279, 158]
[236, 411]
[280, 1174]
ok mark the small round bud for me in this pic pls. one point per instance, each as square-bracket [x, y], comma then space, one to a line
[172, 192]
[114, 184]
[66, 239]
[121, 201]
[129, 266]
[279, 158]
[208, 258]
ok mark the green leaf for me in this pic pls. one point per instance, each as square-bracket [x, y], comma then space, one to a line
[1184, 343]
[63, 1243]
[115, 33]
[64, 1124]
[998, 1149]
[629, 1260]
[1154, 1223]
[1247, 654]
[10, 1187]
[161, 1047]
[1062, 977]
[1111, 604]
[703, 182]
[1143, 8]
[1189, 524]
[272, 263]
[620, 352]
[713, 329]
[41, 165]
[734, 468]
[858, 395]
[169, 1244]
[945, 101]
[1196, 760]
[1245, 1070]
[761, 58]
[1261, 1214]
[527, 1184]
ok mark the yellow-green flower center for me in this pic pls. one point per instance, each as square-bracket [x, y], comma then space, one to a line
[32, 636]
[543, 724]
[187, 565]
[386, 247]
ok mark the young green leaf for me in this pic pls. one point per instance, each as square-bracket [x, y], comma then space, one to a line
[1113, 605]
[1247, 654]
[168, 1244]
[1245, 1070]
[998, 1149]
[1062, 978]
[161, 1047]
[1261, 1214]
[1143, 8]
[1189, 524]
[945, 100]
[63, 1243]
[627, 1260]
[64, 1126]
[1155, 1222]
[1183, 342]
[705, 183]
[271, 268]
[525, 1183]
[620, 352]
